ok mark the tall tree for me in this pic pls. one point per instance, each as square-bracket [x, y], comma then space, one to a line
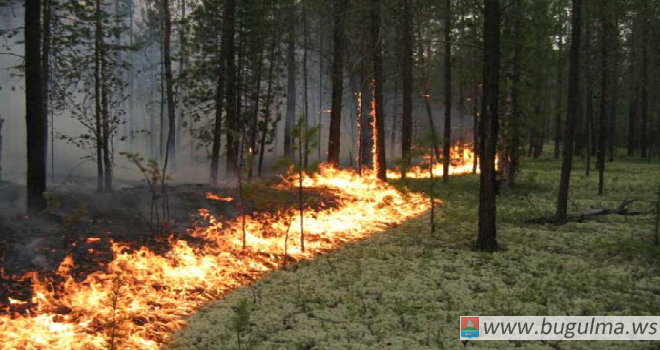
[231, 117]
[644, 84]
[220, 96]
[406, 118]
[513, 121]
[446, 152]
[487, 238]
[379, 115]
[334, 141]
[170, 152]
[35, 117]
[572, 112]
[291, 95]
[607, 34]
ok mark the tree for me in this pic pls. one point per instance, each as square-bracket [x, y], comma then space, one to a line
[406, 119]
[169, 84]
[572, 112]
[608, 32]
[513, 121]
[35, 118]
[219, 98]
[379, 115]
[231, 117]
[487, 238]
[446, 151]
[291, 95]
[334, 140]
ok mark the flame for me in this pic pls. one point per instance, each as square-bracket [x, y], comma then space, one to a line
[462, 162]
[215, 197]
[142, 297]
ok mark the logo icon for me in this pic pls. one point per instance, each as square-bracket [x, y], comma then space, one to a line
[469, 327]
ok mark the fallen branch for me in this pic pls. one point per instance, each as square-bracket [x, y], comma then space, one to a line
[592, 214]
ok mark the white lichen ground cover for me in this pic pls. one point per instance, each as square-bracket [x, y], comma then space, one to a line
[405, 289]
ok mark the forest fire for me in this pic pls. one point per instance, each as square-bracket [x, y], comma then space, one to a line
[142, 297]
[462, 162]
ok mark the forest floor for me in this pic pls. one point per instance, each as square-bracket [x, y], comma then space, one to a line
[405, 288]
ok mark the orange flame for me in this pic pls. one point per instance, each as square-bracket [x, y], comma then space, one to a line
[215, 197]
[462, 162]
[143, 297]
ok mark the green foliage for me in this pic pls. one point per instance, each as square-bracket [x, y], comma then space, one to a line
[240, 321]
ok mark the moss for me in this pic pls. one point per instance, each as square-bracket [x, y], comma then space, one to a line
[406, 290]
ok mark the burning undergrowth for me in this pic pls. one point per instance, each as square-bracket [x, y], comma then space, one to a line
[136, 299]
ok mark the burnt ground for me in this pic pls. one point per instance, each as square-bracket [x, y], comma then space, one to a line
[84, 223]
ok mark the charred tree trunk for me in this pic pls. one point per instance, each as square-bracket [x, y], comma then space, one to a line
[446, 151]
[35, 117]
[379, 115]
[334, 140]
[572, 112]
[487, 238]
[406, 119]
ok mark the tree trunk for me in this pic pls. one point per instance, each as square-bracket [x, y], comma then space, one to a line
[406, 119]
[305, 84]
[334, 140]
[426, 86]
[607, 31]
[633, 89]
[572, 112]
[231, 117]
[35, 117]
[366, 117]
[255, 114]
[511, 149]
[487, 239]
[446, 152]
[379, 115]
[291, 86]
[105, 108]
[560, 96]
[98, 131]
[45, 71]
[2, 121]
[170, 152]
[590, 100]
[269, 96]
[644, 87]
